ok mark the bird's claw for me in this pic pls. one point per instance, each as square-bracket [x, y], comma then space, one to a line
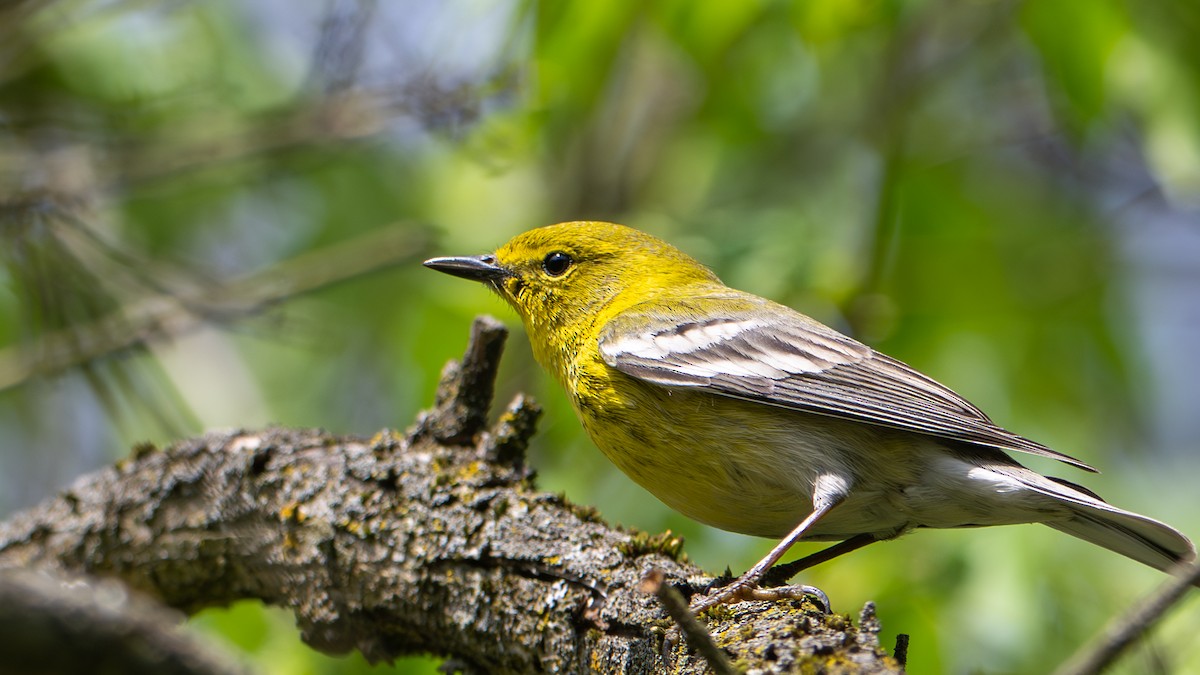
[744, 589]
[789, 593]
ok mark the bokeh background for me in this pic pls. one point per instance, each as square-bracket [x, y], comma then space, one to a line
[212, 214]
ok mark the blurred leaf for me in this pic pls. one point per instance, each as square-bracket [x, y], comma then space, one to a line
[1076, 39]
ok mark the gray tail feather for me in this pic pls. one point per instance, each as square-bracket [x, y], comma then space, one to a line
[1143, 539]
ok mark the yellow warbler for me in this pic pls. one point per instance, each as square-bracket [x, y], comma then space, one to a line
[751, 417]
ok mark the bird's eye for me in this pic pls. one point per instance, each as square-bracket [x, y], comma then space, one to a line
[557, 263]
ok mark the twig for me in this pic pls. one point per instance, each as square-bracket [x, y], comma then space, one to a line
[165, 316]
[696, 635]
[1126, 629]
[466, 389]
[900, 652]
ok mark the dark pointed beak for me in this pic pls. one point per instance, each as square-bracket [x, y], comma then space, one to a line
[475, 268]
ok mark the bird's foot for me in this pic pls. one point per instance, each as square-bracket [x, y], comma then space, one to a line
[744, 589]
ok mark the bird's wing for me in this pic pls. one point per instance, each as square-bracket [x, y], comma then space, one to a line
[765, 352]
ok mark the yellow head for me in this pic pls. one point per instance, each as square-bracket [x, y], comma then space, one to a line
[563, 279]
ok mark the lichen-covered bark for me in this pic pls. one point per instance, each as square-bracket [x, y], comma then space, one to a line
[433, 541]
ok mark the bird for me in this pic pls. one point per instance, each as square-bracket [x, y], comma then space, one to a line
[746, 415]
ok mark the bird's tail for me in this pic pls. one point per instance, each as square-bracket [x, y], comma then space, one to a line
[1135, 536]
[1144, 539]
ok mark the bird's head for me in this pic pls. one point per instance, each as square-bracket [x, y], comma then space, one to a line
[565, 277]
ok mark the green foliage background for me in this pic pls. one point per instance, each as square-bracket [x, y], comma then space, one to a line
[1003, 194]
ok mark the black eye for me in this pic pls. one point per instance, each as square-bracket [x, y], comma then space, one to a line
[557, 263]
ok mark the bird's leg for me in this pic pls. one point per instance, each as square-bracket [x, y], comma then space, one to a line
[828, 491]
[746, 587]
[779, 574]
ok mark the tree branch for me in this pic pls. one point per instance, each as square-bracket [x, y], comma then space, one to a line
[434, 541]
[1128, 628]
[108, 628]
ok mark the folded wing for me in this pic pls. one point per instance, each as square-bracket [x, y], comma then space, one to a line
[761, 351]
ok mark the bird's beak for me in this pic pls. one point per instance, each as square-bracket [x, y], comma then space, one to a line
[476, 268]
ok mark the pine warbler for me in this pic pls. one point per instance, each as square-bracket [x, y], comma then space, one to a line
[751, 417]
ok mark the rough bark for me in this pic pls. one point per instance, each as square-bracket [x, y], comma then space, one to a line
[433, 541]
